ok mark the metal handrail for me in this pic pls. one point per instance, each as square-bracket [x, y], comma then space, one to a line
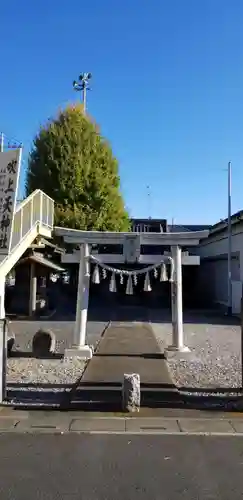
[38, 208]
[26, 200]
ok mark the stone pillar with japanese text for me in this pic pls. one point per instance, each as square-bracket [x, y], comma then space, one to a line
[9, 180]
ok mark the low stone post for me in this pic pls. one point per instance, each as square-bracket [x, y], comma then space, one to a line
[43, 343]
[131, 394]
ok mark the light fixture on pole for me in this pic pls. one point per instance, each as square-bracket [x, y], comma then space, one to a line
[82, 85]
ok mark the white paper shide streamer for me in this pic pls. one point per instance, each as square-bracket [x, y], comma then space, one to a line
[112, 285]
[163, 273]
[129, 287]
[147, 286]
[96, 275]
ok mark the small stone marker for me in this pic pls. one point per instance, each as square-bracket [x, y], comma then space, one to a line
[131, 392]
[43, 343]
[10, 342]
[10, 337]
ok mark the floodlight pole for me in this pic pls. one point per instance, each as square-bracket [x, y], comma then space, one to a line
[82, 86]
[84, 98]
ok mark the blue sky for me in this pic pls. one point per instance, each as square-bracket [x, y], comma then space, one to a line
[167, 91]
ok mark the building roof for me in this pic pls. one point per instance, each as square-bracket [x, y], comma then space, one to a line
[171, 228]
[46, 243]
[177, 228]
[223, 223]
[38, 258]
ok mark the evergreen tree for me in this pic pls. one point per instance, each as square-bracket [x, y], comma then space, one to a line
[72, 163]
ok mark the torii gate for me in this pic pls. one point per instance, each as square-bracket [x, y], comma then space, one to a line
[131, 242]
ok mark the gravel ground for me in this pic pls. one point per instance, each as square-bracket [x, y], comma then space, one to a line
[23, 368]
[31, 370]
[214, 361]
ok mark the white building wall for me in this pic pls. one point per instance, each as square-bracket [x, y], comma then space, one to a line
[214, 268]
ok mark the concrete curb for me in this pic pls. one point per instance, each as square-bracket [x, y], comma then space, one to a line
[92, 398]
[64, 424]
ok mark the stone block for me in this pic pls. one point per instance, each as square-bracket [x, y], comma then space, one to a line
[131, 394]
[10, 337]
[44, 343]
[10, 342]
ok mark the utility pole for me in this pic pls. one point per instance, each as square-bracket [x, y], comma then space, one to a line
[82, 85]
[229, 311]
[1, 142]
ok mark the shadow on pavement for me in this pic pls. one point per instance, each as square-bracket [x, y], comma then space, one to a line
[155, 315]
[29, 354]
[109, 399]
[210, 390]
[131, 313]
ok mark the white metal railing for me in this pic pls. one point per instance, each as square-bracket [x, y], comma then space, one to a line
[38, 208]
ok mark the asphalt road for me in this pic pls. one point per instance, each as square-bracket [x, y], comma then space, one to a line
[115, 467]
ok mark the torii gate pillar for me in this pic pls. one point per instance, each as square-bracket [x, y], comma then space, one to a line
[176, 304]
[80, 349]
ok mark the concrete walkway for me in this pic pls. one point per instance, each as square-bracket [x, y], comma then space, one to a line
[167, 422]
[128, 349]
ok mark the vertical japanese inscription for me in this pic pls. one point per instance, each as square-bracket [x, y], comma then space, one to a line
[9, 166]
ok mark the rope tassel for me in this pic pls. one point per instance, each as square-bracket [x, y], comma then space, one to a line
[132, 276]
[129, 287]
[147, 285]
[112, 285]
[96, 275]
[163, 273]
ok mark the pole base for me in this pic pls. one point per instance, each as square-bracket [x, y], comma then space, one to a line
[229, 312]
[174, 348]
[83, 352]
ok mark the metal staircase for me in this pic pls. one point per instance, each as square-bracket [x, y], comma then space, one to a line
[33, 216]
